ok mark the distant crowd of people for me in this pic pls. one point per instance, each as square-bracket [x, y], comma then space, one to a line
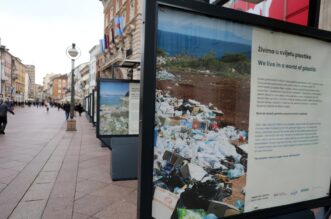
[64, 106]
[7, 105]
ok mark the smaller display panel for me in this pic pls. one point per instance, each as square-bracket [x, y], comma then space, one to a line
[118, 108]
[88, 105]
[95, 106]
[91, 104]
[85, 104]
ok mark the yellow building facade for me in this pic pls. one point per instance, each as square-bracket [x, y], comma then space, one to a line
[19, 79]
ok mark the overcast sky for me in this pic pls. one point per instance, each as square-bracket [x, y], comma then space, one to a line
[203, 26]
[39, 31]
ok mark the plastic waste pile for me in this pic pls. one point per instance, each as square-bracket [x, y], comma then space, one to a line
[164, 75]
[193, 155]
[114, 119]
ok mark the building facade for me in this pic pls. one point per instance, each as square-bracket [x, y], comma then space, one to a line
[26, 87]
[292, 11]
[19, 79]
[16, 78]
[5, 71]
[47, 85]
[39, 92]
[84, 80]
[94, 52]
[122, 38]
[31, 74]
[78, 85]
[59, 87]
[287, 10]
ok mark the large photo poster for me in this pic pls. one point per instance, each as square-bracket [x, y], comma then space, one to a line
[119, 104]
[239, 113]
[202, 116]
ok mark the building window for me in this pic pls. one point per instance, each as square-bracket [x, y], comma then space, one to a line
[106, 20]
[125, 21]
[117, 5]
[131, 9]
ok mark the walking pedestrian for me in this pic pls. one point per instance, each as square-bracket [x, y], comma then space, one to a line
[4, 108]
[47, 106]
[80, 109]
[66, 108]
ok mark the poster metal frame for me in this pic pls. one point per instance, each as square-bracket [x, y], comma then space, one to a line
[90, 105]
[86, 103]
[314, 13]
[93, 106]
[148, 87]
[86, 107]
[100, 80]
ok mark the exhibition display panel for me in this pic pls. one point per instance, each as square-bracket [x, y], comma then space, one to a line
[91, 105]
[234, 115]
[118, 108]
[94, 109]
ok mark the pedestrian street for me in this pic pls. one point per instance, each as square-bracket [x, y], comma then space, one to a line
[48, 172]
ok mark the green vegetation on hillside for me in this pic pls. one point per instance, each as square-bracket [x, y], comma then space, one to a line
[231, 65]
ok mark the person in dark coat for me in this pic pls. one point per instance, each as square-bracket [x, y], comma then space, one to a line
[80, 109]
[66, 108]
[4, 108]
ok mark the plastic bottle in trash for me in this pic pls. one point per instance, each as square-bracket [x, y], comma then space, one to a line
[210, 216]
[195, 124]
[240, 204]
[214, 126]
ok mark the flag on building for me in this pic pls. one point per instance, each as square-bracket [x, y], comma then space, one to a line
[106, 39]
[102, 45]
[112, 36]
[119, 25]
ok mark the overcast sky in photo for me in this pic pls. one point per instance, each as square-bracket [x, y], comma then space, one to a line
[39, 31]
[203, 26]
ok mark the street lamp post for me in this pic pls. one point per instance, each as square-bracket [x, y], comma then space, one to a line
[73, 53]
[1, 63]
[72, 99]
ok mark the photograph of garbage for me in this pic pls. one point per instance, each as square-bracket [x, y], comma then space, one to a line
[201, 116]
[114, 108]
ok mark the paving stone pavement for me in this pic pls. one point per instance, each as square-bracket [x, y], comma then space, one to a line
[47, 172]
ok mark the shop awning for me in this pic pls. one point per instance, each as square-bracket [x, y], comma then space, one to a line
[122, 63]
